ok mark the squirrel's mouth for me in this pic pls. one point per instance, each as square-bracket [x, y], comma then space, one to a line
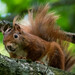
[10, 49]
[13, 49]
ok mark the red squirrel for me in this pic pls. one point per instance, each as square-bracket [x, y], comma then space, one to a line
[38, 41]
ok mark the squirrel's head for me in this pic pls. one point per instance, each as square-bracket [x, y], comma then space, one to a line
[13, 38]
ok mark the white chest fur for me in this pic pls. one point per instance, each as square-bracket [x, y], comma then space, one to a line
[21, 53]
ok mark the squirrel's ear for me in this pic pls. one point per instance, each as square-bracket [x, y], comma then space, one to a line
[2, 30]
[17, 27]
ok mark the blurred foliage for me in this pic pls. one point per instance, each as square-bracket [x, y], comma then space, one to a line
[2, 49]
[20, 5]
[64, 8]
[14, 6]
[66, 12]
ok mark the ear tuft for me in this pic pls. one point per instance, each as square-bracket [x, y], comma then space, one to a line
[4, 29]
[17, 27]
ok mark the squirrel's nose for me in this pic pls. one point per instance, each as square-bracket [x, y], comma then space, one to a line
[9, 47]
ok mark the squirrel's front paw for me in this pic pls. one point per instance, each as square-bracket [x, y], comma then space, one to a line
[39, 62]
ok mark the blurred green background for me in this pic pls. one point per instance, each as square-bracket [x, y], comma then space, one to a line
[64, 8]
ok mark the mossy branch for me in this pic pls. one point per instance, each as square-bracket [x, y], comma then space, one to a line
[10, 66]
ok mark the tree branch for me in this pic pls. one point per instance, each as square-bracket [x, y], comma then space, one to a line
[71, 35]
[10, 66]
[63, 2]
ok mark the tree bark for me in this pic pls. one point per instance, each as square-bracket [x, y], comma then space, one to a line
[71, 35]
[10, 66]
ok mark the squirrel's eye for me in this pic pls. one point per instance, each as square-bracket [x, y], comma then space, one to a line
[15, 36]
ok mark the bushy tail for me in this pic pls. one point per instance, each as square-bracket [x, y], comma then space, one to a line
[43, 25]
[69, 56]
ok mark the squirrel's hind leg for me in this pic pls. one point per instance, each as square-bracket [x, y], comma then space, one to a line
[56, 56]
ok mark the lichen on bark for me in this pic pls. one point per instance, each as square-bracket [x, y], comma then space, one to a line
[10, 66]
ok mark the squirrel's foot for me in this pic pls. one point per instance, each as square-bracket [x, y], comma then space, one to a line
[39, 62]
